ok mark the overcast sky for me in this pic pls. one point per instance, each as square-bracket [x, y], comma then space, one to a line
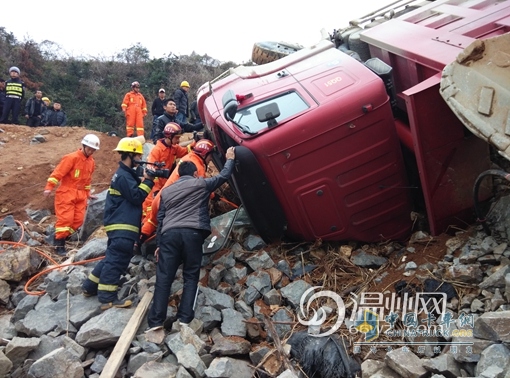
[223, 30]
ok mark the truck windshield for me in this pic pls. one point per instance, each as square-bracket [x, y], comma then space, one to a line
[289, 104]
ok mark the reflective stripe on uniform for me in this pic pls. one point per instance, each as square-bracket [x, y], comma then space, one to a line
[119, 226]
[76, 173]
[64, 229]
[114, 192]
[144, 187]
[87, 187]
[151, 222]
[93, 278]
[104, 287]
[53, 180]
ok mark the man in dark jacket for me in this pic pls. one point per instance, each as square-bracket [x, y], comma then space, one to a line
[2, 96]
[158, 107]
[34, 110]
[170, 115]
[55, 117]
[122, 218]
[181, 101]
[183, 225]
[14, 92]
[194, 114]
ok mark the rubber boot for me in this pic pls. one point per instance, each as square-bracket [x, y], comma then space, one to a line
[50, 239]
[60, 247]
[118, 303]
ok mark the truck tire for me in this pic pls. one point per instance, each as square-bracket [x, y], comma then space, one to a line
[266, 52]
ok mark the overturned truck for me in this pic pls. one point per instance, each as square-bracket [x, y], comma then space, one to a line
[344, 139]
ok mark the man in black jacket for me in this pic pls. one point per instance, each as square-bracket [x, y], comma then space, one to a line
[34, 110]
[183, 225]
[2, 95]
[158, 107]
[55, 117]
[170, 115]
[181, 101]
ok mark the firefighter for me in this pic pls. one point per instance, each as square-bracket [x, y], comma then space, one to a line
[122, 218]
[166, 150]
[200, 155]
[74, 172]
[14, 92]
[134, 108]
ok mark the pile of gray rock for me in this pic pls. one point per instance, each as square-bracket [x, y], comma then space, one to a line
[64, 334]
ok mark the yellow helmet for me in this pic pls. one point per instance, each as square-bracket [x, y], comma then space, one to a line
[185, 84]
[129, 145]
[46, 99]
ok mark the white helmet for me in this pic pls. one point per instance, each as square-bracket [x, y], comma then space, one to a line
[91, 140]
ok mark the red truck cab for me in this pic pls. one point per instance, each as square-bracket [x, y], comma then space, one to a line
[335, 146]
[316, 148]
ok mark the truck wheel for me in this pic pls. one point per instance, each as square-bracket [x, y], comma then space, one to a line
[265, 52]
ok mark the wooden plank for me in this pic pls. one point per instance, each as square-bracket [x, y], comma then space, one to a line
[113, 363]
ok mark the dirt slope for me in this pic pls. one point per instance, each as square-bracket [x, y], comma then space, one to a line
[26, 166]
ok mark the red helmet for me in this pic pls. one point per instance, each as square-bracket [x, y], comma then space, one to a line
[135, 84]
[172, 129]
[203, 147]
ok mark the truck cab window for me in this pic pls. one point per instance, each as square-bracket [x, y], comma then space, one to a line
[289, 104]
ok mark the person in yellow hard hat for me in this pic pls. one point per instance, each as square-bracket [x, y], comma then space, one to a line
[181, 101]
[122, 218]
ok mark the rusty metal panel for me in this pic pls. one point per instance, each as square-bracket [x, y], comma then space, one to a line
[448, 157]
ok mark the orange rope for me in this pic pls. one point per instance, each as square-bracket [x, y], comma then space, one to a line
[22, 230]
[33, 278]
[56, 265]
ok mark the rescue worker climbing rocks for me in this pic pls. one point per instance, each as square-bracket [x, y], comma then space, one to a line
[74, 173]
[200, 155]
[167, 150]
[135, 109]
[122, 218]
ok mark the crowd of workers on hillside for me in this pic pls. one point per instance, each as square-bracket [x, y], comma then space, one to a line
[173, 208]
[38, 109]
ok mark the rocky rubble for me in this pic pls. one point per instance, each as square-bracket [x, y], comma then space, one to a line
[247, 307]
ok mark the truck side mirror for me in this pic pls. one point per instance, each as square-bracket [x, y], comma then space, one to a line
[268, 113]
[229, 101]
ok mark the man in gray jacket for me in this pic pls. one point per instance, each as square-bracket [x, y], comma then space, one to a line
[183, 225]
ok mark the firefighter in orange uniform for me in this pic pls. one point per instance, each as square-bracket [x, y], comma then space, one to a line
[74, 172]
[200, 155]
[135, 108]
[167, 150]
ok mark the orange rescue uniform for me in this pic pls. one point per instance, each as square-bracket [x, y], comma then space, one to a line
[150, 223]
[135, 108]
[162, 152]
[74, 172]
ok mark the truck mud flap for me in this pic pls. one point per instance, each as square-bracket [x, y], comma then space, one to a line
[258, 197]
